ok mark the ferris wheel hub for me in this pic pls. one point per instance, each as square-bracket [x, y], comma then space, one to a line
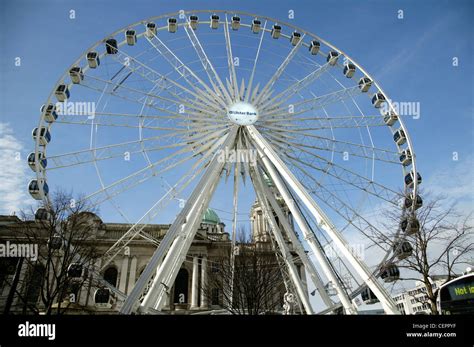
[242, 113]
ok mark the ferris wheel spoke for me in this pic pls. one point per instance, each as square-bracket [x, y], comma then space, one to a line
[344, 175]
[230, 63]
[252, 75]
[213, 76]
[350, 148]
[267, 88]
[117, 87]
[150, 215]
[196, 116]
[327, 122]
[315, 103]
[140, 176]
[148, 144]
[166, 84]
[292, 143]
[271, 104]
[337, 204]
[151, 75]
[184, 71]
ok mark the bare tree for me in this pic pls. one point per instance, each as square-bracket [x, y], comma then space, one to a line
[443, 243]
[252, 285]
[63, 233]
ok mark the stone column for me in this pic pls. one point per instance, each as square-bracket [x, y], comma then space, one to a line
[133, 274]
[194, 284]
[203, 282]
[123, 275]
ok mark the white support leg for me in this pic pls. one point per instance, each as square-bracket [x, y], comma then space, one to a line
[293, 272]
[175, 258]
[325, 223]
[213, 169]
[308, 264]
[310, 239]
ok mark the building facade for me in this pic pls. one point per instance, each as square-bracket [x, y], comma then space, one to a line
[184, 297]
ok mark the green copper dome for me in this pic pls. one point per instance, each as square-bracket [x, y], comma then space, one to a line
[210, 217]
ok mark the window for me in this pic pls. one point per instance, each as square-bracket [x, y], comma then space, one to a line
[34, 284]
[214, 267]
[110, 275]
[215, 296]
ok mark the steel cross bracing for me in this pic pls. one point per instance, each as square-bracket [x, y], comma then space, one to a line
[324, 222]
[282, 246]
[298, 247]
[161, 259]
[213, 76]
[312, 241]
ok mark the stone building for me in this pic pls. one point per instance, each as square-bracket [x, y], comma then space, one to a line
[184, 297]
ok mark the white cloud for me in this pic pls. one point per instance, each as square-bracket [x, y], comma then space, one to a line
[13, 176]
[455, 183]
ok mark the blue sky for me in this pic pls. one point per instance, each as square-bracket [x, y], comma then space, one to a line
[411, 58]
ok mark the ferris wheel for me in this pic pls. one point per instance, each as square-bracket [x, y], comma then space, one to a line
[170, 94]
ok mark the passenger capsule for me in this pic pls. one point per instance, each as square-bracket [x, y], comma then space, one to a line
[409, 201]
[76, 74]
[349, 69]
[235, 23]
[102, 297]
[44, 135]
[390, 273]
[50, 114]
[111, 46]
[405, 157]
[314, 47]
[409, 179]
[42, 214]
[131, 37]
[276, 31]
[378, 99]
[214, 21]
[172, 25]
[399, 137]
[390, 118]
[76, 271]
[256, 26]
[332, 57]
[295, 38]
[34, 188]
[43, 162]
[62, 93]
[410, 225]
[364, 84]
[150, 30]
[93, 59]
[402, 249]
[193, 22]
